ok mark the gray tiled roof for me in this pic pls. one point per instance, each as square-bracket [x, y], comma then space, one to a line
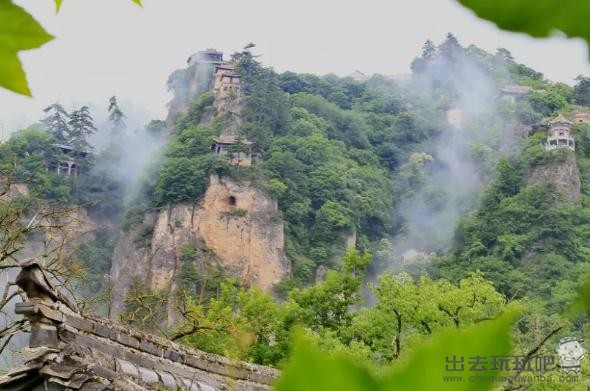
[85, 352]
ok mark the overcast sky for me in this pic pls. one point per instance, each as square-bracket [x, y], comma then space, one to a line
[113, 47]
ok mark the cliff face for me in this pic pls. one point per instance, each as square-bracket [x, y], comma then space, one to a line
[234, 222]
[563, 174]
[234, 219]
[72, 227]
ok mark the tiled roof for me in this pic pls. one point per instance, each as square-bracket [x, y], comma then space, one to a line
[85, 352]
[516, 89]
[230, 139]
[560, 119]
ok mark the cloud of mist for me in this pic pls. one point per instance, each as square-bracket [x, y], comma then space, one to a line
[135, 146]
[454, 172]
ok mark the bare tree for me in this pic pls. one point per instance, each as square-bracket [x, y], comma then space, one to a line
[24, 220]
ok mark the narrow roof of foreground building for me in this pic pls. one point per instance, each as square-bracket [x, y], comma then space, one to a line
[69, 350]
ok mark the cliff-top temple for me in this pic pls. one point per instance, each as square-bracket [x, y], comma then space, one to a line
[559, 134]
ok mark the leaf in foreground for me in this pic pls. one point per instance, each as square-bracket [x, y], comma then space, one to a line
[18, 31]
[428, 365]
[311, 369]
[58, 3]
[539, 18]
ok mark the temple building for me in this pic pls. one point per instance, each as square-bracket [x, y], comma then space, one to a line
[454, 116]
[209, 56]
[559, 134]
[68, 166]
[238, 151]
[226, 86]
[226, 82]
[227, 89]
[514, 93]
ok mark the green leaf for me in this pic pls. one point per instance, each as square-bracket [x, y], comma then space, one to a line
[18, 31]
[12, 75]
[58, 3]
[539, 18]
[311, 369]
[427, 366]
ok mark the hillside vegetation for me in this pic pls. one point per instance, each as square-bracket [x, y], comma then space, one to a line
[373, 159]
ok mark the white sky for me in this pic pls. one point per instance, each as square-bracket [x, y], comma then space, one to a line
[106, 47]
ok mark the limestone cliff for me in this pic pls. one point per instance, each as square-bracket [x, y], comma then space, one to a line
[563, 173]
[234, 219]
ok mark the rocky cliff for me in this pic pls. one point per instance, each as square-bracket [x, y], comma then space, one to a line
[563, 173]
[64, 228]
[235, 220]
[235, 224]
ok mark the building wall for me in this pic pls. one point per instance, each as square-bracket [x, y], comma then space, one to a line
[454, 117]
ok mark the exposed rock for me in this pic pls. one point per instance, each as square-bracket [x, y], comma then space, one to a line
[563, 174]
[235, 220]
[320, 273]
[350, 241]
[67, 226]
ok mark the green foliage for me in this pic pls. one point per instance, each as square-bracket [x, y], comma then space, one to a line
[522, 233]
[57, 123]
[196, 111]
[81, 126]
[199, 276]
[538, 19]
[95, 259]
[582, 91]
[552, 100]
[97, 187]
[145, 309]
[116, 118]
[534, 153]
[181, 179]
[439, 68]
[144, 234]
[265, 110]
[186, 179]
[248, 324]
[28, 154]
[309, 368]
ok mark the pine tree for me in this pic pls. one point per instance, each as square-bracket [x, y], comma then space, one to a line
[81, 127]
[428, 50]
[116, 117]
[56, 122]
[450, 49]
[505, 55]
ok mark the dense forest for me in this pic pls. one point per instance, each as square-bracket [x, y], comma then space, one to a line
[449, 228]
